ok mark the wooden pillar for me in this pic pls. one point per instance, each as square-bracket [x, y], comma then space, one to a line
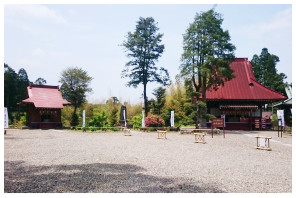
[250, 121]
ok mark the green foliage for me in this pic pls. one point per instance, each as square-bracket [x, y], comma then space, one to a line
[115, 129]
[152, 129]
[176, 106]
[40, 81]
[137, 121]
[159, 102]
[74, 120]
[144, 47]
[75, 85]
[23, 82]
[264, 67]
[133, 110]
[99, 120]
[15, 90]
[208, 116]
[23, 120]
[274, 118]
[207, 53]
[113, 118]
[66, 115]
[113, 106]
[201, 104]
[10, 89]
[179, 101]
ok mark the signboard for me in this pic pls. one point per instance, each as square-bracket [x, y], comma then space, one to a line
[172, 119]
[280, 116]
[83, 118]
[218, 122]
[257, 123]
[6, 121]
[143, 119]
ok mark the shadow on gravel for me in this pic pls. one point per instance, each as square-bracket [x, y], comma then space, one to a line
[87, 178]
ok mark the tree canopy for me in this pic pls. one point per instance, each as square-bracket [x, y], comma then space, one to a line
[158, 103]
[144, 47]
[207, 52]
[264, 67]
[40, 81]
[15, 89]
[75, 85]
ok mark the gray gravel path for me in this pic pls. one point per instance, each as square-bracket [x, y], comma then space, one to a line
[68, 161]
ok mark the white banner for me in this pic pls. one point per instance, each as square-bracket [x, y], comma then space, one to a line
[172, 119]
[281, 118]
[124, 118]
[83, 118]
[6, 124]
[143, 119]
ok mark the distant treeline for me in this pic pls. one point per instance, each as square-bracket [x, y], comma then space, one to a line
[15, 90]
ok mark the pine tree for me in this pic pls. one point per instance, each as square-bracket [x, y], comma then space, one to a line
[144, 47]
[207, 53]
[264, 67]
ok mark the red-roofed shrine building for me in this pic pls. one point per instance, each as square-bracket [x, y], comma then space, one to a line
[44, 104]
[241, 99]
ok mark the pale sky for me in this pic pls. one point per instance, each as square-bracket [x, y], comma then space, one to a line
[47, 39]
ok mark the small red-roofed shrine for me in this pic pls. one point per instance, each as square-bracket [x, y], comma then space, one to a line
[241, 99]
[44, 105]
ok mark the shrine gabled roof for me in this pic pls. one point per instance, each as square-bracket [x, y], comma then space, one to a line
[44, 96]
[244, 86]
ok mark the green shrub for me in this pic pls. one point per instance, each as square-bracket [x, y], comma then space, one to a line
[99, 120]
[208, 116]
[115, 129]
[23, 120]
[74, 121]
[137, 121]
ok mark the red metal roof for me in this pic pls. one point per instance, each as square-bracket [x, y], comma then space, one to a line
[44, 96]
[244, 86]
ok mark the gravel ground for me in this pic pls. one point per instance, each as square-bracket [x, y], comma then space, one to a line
[68, 161]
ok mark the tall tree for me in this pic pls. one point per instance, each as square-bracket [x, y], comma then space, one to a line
[264, 67]
[144, 47]
[40, 81]
[75, 85]
[10, 89]
[15, 89]
[23, 82]
[207, 52]
[112, 109]
[159, 102]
